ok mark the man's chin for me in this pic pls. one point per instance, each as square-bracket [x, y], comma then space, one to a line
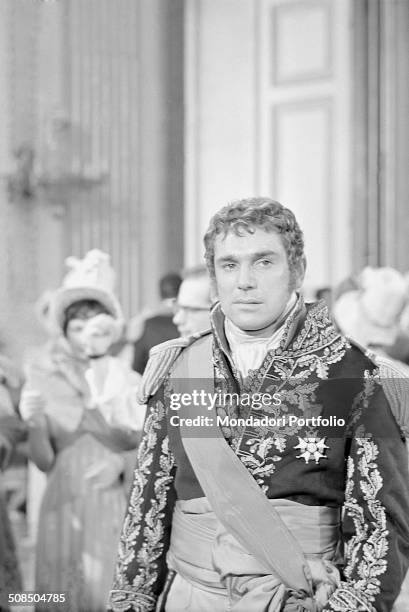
[249, 324]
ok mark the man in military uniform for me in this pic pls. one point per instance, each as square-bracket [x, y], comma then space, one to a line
[292, 495]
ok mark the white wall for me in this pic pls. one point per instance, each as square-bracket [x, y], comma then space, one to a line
[268, 113]
[220, 111]
[4, 153]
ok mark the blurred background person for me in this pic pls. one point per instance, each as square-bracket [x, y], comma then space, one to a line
[371, 313]
[12, 431]
[400, 349]
[193, 303]
[36, 479]
[79, 408]
[156, 327]
[14, 479]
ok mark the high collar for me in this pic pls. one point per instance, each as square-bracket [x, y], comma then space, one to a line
[240, 337]
[291, 325]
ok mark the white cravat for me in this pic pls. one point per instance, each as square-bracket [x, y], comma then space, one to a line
[248, 352]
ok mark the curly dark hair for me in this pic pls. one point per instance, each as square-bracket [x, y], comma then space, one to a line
[250, 213]
[83, 309]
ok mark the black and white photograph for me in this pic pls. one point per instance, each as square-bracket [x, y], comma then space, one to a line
[204, 305]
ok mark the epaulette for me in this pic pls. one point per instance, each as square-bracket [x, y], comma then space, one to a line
[161, 358]
[169, 345]
[388, 367]
[364, 350]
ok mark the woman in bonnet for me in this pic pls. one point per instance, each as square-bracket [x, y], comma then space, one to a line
[78, 403]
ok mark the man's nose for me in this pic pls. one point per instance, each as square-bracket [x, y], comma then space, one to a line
[246, 278]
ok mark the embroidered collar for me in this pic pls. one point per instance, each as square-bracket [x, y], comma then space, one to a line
[308, 329]
[217, 318]
[248, 352]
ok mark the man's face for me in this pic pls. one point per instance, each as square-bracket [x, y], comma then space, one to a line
[192, 309]
[253, 278]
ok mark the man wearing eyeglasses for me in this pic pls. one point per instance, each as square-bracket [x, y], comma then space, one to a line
[192, 307]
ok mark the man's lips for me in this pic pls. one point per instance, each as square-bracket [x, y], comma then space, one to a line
[247, 302]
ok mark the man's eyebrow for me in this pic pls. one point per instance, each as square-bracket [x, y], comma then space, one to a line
[261, 254]
[252, 256]
[226, 258]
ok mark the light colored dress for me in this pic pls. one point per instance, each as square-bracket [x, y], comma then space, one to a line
[79, 523]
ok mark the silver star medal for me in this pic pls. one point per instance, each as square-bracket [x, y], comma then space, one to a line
[312, 448]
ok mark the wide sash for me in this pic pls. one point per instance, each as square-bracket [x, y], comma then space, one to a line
[206, 556]
[235, 497]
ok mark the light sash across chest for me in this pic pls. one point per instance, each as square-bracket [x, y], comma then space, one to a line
[242, 510]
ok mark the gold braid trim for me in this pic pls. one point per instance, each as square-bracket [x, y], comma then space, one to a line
[366, 550]
[138, 595]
